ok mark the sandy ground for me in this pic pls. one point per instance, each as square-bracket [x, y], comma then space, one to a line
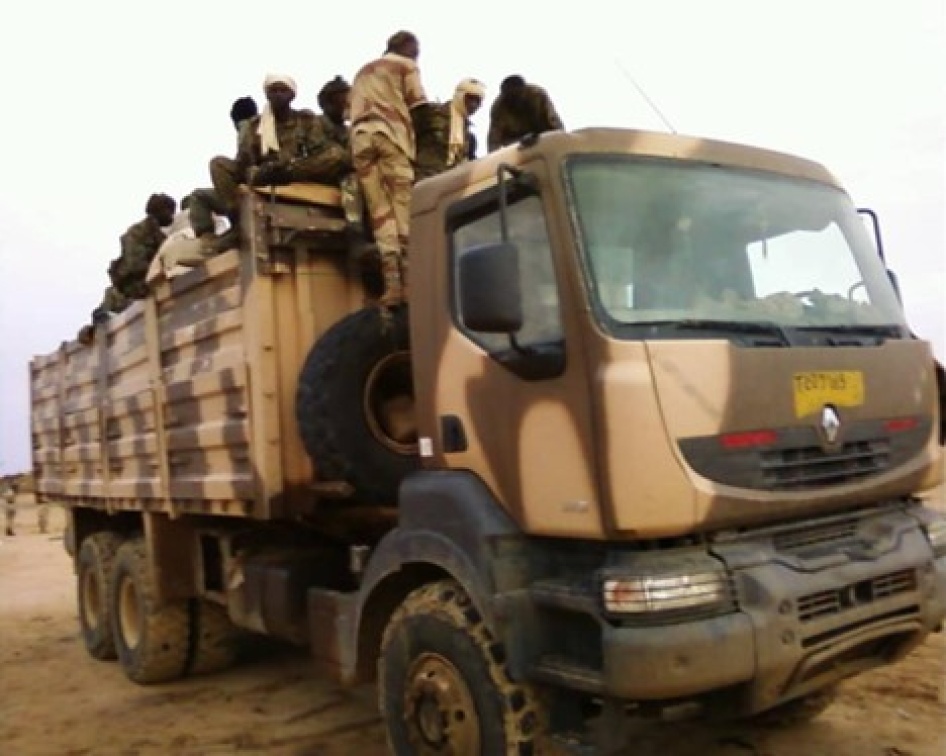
[55, 700]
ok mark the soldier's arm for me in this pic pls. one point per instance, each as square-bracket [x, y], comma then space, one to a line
[320, 156]
[549, 114]
[414, 94]
[495, 135]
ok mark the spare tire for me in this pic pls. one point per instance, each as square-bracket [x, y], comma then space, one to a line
[355, 405]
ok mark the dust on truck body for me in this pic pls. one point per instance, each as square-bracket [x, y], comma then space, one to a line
[656, 438]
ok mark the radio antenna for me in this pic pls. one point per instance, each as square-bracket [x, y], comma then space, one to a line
[643, 94]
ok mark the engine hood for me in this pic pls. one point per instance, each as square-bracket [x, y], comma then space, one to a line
[737, 436]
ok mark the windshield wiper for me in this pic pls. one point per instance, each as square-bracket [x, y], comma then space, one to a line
[762, 327]
[879, 332]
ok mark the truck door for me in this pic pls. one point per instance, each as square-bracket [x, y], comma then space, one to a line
[521, 423]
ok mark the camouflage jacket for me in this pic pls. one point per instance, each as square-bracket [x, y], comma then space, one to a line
[140, 244]
[315, 148]
[432, 129]
[508, 123]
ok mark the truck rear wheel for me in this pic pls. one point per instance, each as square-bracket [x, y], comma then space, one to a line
[355, 405]
[443, 686]
[214, 639]
[93, 574]
[151, 641]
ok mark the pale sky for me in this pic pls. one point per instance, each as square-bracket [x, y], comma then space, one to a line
[108, 102]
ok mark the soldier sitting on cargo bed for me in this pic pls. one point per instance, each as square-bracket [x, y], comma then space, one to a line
[280, 146]
[139, 245]
[443, 133]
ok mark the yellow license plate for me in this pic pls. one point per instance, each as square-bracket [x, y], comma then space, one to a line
[842, 388]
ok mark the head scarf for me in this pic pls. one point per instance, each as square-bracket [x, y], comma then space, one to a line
[456, 150]
[267, 124]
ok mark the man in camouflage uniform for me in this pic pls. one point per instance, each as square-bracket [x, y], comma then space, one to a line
[384, 93]
[332, 124]
[280, 146]
[139, 245]
[444, 135]
[520, 109]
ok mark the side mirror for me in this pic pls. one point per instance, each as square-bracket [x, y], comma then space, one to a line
[489, 288]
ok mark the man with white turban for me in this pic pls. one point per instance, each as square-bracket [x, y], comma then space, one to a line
[444, 136]
[279, 146]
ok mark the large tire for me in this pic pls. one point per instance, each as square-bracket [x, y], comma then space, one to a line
[94, 568]
[354, 405]
[152, 642]
[443, 687]
[214, 639]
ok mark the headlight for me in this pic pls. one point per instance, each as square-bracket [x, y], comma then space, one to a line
[664, 593]
[936, 533]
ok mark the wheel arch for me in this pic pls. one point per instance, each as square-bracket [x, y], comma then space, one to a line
[449, 526]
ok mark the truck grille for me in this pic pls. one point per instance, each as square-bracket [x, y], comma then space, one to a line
[813, 467]
[826, 537]
[838, 600]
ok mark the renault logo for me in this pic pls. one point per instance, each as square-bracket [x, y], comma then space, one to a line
[830, 423]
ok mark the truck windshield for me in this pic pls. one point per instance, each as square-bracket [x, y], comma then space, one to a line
[683, 250]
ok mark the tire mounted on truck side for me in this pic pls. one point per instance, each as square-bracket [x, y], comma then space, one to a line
[152, 641]
[94, 567]
[354, 405]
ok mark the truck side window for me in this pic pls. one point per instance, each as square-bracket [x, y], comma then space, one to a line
[540, 302]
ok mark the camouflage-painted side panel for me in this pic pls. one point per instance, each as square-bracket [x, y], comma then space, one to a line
[185, 401]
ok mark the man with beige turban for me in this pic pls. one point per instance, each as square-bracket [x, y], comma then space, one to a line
[444, 136]
[279, 146]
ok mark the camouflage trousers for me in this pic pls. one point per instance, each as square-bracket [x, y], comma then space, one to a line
[386, 176]
[113, 301]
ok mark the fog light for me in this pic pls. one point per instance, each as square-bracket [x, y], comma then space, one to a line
[936, 533]
[663, 593]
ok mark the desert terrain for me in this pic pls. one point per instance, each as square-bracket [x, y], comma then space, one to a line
[56, 700]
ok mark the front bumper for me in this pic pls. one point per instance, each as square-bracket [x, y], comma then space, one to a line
[810, 613]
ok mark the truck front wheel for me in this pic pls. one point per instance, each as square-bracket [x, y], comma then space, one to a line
[443, 684]
[152, 641]
[94, 568]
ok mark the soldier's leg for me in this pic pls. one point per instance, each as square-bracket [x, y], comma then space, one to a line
[204, 203]
[328, 166]
[398, 178]
[42, 517]
[226, 176]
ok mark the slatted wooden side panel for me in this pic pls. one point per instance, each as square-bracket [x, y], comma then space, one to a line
[203, 371]
[45, 424]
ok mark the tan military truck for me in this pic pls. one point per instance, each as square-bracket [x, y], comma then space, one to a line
[648, 437]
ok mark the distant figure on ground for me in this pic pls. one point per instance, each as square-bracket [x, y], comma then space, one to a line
[444, 132]
[518, 110]
[384, 93]
[42, 517]
[9, 508]
[279, 146]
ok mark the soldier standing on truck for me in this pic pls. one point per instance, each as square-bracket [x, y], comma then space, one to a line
[444, 136]
[384, 93]
[520, 109]
[279, 146]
